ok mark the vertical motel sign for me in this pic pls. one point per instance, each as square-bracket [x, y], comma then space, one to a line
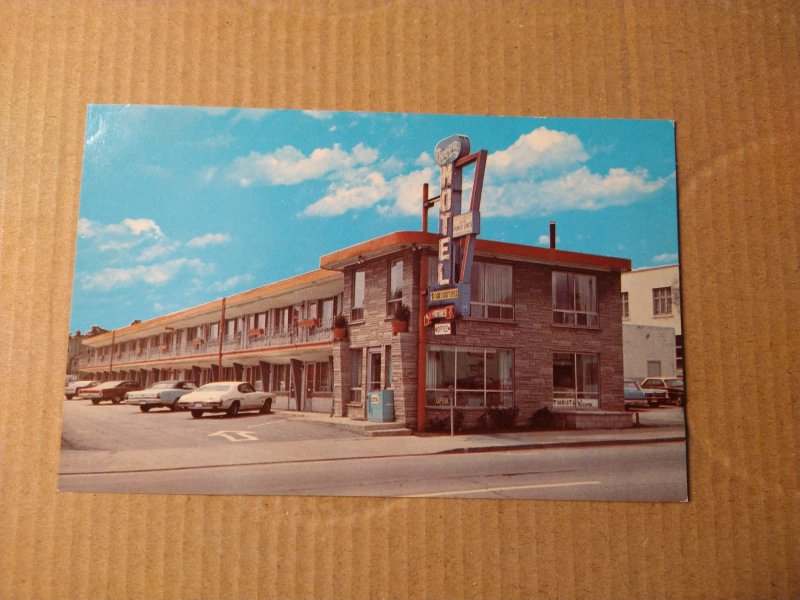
[457, 229]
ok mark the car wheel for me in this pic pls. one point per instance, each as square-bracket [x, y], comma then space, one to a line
[144, 407]
[266, 407]
[197, 414]
[95, 401]
[116, 400]
[174, 406]
[233, 410]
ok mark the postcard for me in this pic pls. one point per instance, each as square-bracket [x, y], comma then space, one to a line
[305, 302]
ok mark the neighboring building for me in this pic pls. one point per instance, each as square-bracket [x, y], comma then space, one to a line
[652, 297]
[544, 330]
[648, 351]
[77, 352]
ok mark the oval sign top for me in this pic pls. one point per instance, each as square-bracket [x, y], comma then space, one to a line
[450, 149]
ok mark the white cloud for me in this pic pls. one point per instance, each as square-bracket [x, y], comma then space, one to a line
[577, 190]
[332, 128]
[157, 274]
[540, 150]
[208, 174]
[669, 257]
[208, 240]
[288, 165]
[359, 189]
[321, 115]
[408, 192]
[544, 240]
[253, 115]
[424, 160]
[146, 227]
[231, 282]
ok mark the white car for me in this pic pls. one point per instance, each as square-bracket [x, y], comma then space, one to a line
[229, 397]
[163, 393]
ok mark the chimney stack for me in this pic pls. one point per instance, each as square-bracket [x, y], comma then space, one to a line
[552, 235]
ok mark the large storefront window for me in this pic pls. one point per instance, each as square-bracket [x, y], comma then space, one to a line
[575, 299]
[479, 377]
[576, 376]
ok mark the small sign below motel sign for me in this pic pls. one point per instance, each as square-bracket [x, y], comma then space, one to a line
[458, 228]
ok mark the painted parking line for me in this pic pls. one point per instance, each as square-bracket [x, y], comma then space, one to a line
[236, 436]
[503, 489]
[267, 423]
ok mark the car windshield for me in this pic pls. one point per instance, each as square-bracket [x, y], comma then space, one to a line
[164, 385]
[674, 382]
[215, 387]
[109, 384]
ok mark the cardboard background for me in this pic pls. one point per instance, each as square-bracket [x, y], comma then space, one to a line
[728, 73]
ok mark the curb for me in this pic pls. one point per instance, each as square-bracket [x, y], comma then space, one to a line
[546, 445]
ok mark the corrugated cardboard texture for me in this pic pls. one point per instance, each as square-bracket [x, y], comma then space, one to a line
[726, 72]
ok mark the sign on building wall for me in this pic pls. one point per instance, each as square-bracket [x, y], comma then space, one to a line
[458, 228]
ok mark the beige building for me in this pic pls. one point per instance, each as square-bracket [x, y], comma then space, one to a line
[651, 297]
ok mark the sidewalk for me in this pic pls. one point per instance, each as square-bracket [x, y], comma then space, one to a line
[248, 452]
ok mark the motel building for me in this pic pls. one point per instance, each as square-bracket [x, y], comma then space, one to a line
[521, 328]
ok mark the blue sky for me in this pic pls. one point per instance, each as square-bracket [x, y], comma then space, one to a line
[181, 205]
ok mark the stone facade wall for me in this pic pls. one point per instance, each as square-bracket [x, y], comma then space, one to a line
[532, 336]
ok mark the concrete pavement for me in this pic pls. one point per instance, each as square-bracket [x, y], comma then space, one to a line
[247, 448]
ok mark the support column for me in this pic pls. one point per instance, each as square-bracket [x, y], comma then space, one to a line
[296, 374]
[238, 371]
[341, 377]
[265, 375]
[196, 375]
[215, 372]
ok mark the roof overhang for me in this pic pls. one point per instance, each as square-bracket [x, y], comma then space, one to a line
[394, 242]
[308, 286]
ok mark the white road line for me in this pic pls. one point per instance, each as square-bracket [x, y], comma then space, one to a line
[267, 423]
[501, 489]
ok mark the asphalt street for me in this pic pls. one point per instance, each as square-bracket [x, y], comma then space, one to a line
[117, 448]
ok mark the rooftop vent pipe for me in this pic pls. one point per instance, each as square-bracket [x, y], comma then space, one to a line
[552, 235]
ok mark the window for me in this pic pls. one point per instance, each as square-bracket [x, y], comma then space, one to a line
[282, 319]
[625, 308]
[574, 299]
[359, 281]
[662, 301]
[356, 356]
[213, 331]
[388, 366]
[478, 377]
[394, 294]
[327, 313]
[492, 291]
[576, 376]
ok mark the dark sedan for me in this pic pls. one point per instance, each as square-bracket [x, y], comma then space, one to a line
[113, 391]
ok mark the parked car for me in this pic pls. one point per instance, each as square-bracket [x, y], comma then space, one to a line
[229, 397]
[163, 393]
[673, 386]
[109, 390]
[636, 395]
[73, 387]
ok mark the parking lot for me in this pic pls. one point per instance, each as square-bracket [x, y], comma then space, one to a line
[122, 427]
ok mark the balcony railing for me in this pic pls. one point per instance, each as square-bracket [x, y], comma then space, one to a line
[243, 340]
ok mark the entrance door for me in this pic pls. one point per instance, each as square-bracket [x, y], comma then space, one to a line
[373, 369]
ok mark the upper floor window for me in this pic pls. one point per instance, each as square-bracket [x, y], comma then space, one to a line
[394, 293]
[575, 299]
[359, 289]
[492, 291]
[625, 306]
[662, 301]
